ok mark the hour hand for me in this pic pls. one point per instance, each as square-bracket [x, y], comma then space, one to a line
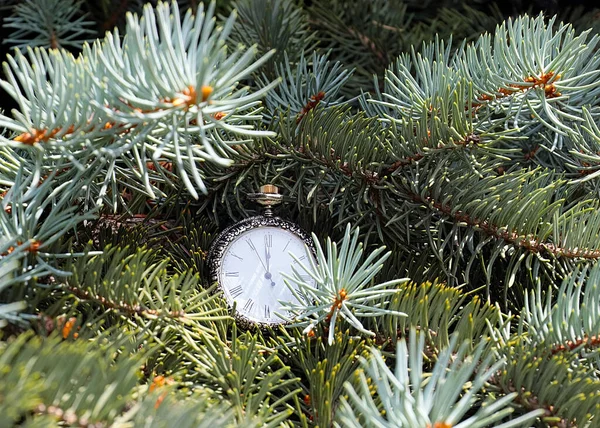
[268, 257]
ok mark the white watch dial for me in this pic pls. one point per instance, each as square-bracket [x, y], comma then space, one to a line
[251, 271]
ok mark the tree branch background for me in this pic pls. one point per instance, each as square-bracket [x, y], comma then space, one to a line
[459, 180]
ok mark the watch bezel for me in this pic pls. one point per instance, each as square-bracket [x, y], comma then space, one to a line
[229, 235]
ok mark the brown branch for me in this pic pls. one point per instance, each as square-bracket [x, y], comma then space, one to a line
[40, 135]
[188, 97]
[545, 80]
[399, 164]
[362, 38]
[34, 246]
[369, 177]
[529, 242]
[118, 11]
[337, 303]
[310, 105]
[469, 140]
[387, 27]
[122, 306]
[530, 154]
[592, 342]
[54, 43]
[369, 44]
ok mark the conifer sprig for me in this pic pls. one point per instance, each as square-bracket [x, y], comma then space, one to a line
[281, 25]
[48, 23]
[556, 383]
[436, 310]
[245, 373]
[314, 81]
[569, 322]
[539, 72]
[126, 282]
[169, 91]
[411, 398]
[76, 382]
[342, 287]
[33, 218]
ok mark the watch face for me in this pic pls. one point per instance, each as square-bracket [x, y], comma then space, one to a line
[249, 262]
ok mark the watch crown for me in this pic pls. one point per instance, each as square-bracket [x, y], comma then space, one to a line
[269, 188]
[268, 196]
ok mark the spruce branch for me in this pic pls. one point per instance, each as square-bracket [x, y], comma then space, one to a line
[343, 287]
[246, 373]
[350, 146]
[549, 363]
[411, 398]
[324, 367]
[313, 82]
[584, 149]
[334, 157]
[169, 91]
[365, 37]
[529, 242]
[33, 218]
[565, 392]
[48, 23]
[537, 219]
[129, 284]
[191, 250]
[78, 382]
[437, 311]
[504, 92]
[281, 25]
[161, 406]
[414, 81]
[89, 384]
[545, 84]
[198, 99]
[569, 321]
[465, 22]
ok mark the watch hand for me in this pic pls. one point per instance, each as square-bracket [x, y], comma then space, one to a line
[268, 256]
[268, 275]
[256, 251]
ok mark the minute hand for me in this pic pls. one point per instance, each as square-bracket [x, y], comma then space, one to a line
[256, 251]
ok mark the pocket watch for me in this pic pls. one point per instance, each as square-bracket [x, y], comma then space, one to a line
[247, 261]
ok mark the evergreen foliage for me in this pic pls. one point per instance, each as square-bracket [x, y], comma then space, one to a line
[447, 161]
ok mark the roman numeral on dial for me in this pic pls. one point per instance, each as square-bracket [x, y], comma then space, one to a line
[267, 311]
[232, 274]
[300, 259]
[236, 291]
[248, 306]
[268, 240]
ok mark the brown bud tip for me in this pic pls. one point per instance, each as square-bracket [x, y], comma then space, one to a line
[206, 92]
